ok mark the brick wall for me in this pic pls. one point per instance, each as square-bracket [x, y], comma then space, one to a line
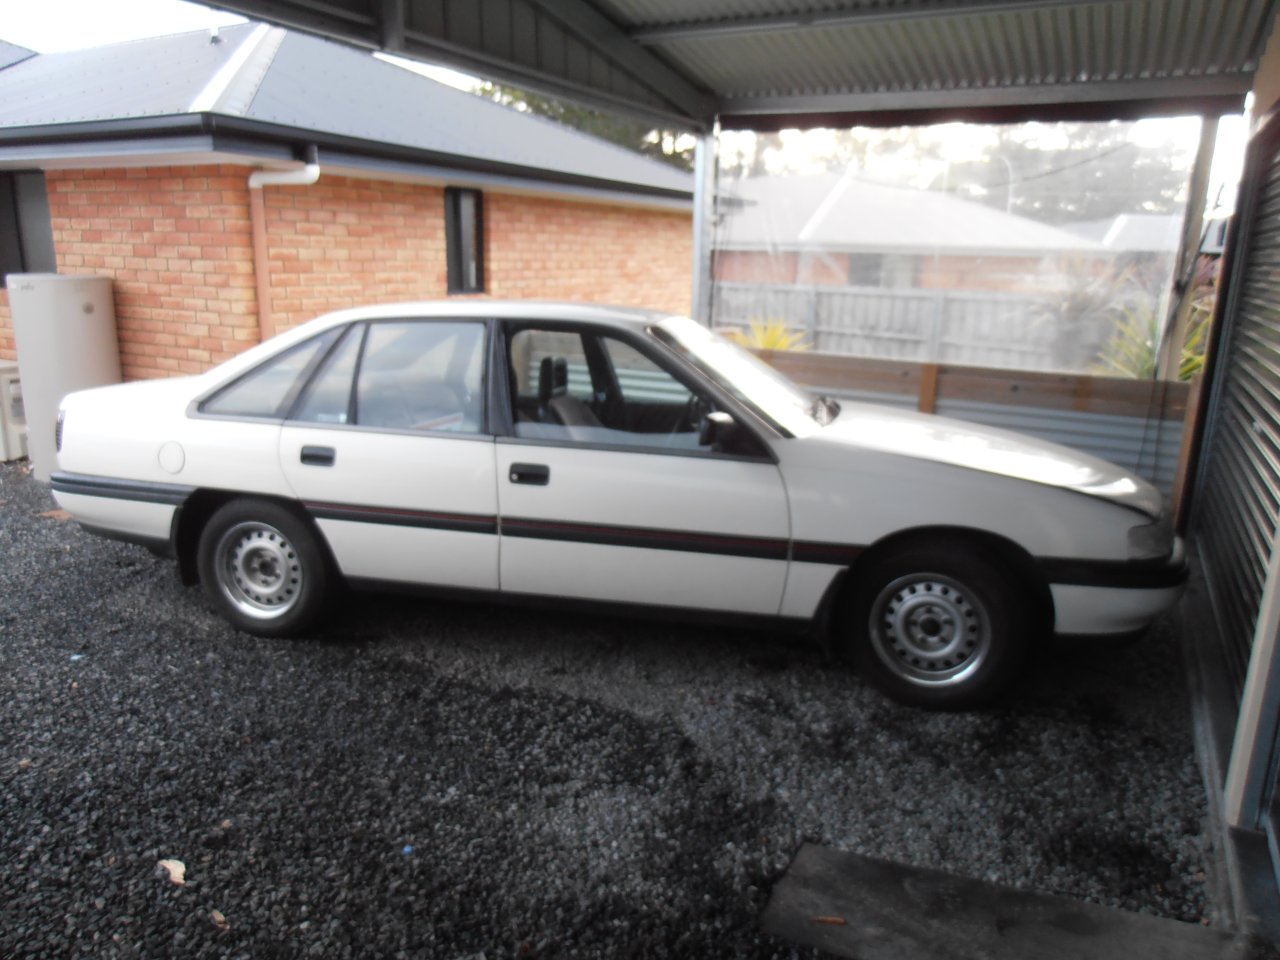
[341, 243]
[749, 266]
[178, 243]
[823, 269]
[578, 251]
[996, 274]
[987, 273]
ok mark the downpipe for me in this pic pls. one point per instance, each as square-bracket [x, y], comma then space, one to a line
[302, 176]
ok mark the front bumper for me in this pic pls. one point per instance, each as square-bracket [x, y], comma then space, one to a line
[1112, 597]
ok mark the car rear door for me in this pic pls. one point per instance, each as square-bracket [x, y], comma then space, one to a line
[613, 499]
[388, 450]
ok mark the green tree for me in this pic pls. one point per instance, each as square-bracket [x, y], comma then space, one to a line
[906, 148]
[669, 146]
[1085, 171]
[1054, 173]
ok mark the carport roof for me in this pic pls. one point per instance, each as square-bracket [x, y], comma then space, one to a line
[769, 63]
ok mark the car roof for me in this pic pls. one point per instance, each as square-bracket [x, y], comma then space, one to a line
[605, 315]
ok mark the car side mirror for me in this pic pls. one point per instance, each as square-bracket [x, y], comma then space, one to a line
[716, 428]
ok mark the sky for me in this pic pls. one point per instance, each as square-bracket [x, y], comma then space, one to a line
[48, 26]
[51, 26]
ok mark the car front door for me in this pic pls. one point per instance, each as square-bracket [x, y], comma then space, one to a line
[604, 492]
[387, 449]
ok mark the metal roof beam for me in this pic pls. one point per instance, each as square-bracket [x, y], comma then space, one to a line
[1098, 100]
[338, 21]
[824, 19]
[384, 24]
[583, 19]
[391, 17]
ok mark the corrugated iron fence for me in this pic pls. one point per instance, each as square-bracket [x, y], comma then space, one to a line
[1236, 524]
[1135, 423]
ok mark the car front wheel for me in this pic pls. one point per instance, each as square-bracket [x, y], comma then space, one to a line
[940, 627]
[262, 568]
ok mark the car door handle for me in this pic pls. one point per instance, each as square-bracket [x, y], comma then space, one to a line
[318, 456]
[535, 473]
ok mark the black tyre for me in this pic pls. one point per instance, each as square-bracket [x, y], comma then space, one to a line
[263, 569]
[942, 627]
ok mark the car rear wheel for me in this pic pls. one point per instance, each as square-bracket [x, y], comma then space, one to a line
[941, 627]
[262, 568]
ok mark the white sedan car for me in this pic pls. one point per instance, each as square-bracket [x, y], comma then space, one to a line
[535, 450]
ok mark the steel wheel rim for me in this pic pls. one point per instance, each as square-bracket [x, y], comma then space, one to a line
[930, 630]
[258, 570]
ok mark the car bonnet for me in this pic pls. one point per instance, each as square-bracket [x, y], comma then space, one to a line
[990, 450]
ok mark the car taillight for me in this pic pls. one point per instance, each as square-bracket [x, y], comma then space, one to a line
[57, 432]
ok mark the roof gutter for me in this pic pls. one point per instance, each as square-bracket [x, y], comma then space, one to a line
[243, 129]
[302, 176]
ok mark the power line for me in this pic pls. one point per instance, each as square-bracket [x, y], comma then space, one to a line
[1014, 181]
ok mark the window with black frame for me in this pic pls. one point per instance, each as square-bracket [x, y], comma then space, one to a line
[464, 239]
[26, 231]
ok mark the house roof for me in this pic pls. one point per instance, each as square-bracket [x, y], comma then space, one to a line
[1134, 232]
[11, 53]
[836, 211]
[260, 80]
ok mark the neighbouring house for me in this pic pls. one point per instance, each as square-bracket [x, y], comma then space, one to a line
[1144, 245]
[885, 271]
[835, 229]
[133, 161]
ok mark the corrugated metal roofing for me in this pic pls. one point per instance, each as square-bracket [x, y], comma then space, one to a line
[744, 59]
[832, 211]
[982, 58]
[313, 86]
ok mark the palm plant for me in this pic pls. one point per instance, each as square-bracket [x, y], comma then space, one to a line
[1134, 347]
[770, 334]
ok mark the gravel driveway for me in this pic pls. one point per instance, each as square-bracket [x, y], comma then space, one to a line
[457, 780]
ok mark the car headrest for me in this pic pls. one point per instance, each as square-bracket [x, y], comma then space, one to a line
[553, 378]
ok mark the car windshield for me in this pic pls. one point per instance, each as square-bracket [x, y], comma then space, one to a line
[746, 376]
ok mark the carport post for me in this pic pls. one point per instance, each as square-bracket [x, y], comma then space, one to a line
[1254, 744]
[704, 221]
[1174, 330]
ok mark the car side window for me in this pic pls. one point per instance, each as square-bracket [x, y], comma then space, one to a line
[640, 380]
[327, 398]
[598, 389]
[529, 348]
[269, 389]
[422, 375]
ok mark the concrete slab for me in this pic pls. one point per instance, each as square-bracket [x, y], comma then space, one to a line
[854, 906]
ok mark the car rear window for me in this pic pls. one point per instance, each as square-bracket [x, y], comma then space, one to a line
[269, 388]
